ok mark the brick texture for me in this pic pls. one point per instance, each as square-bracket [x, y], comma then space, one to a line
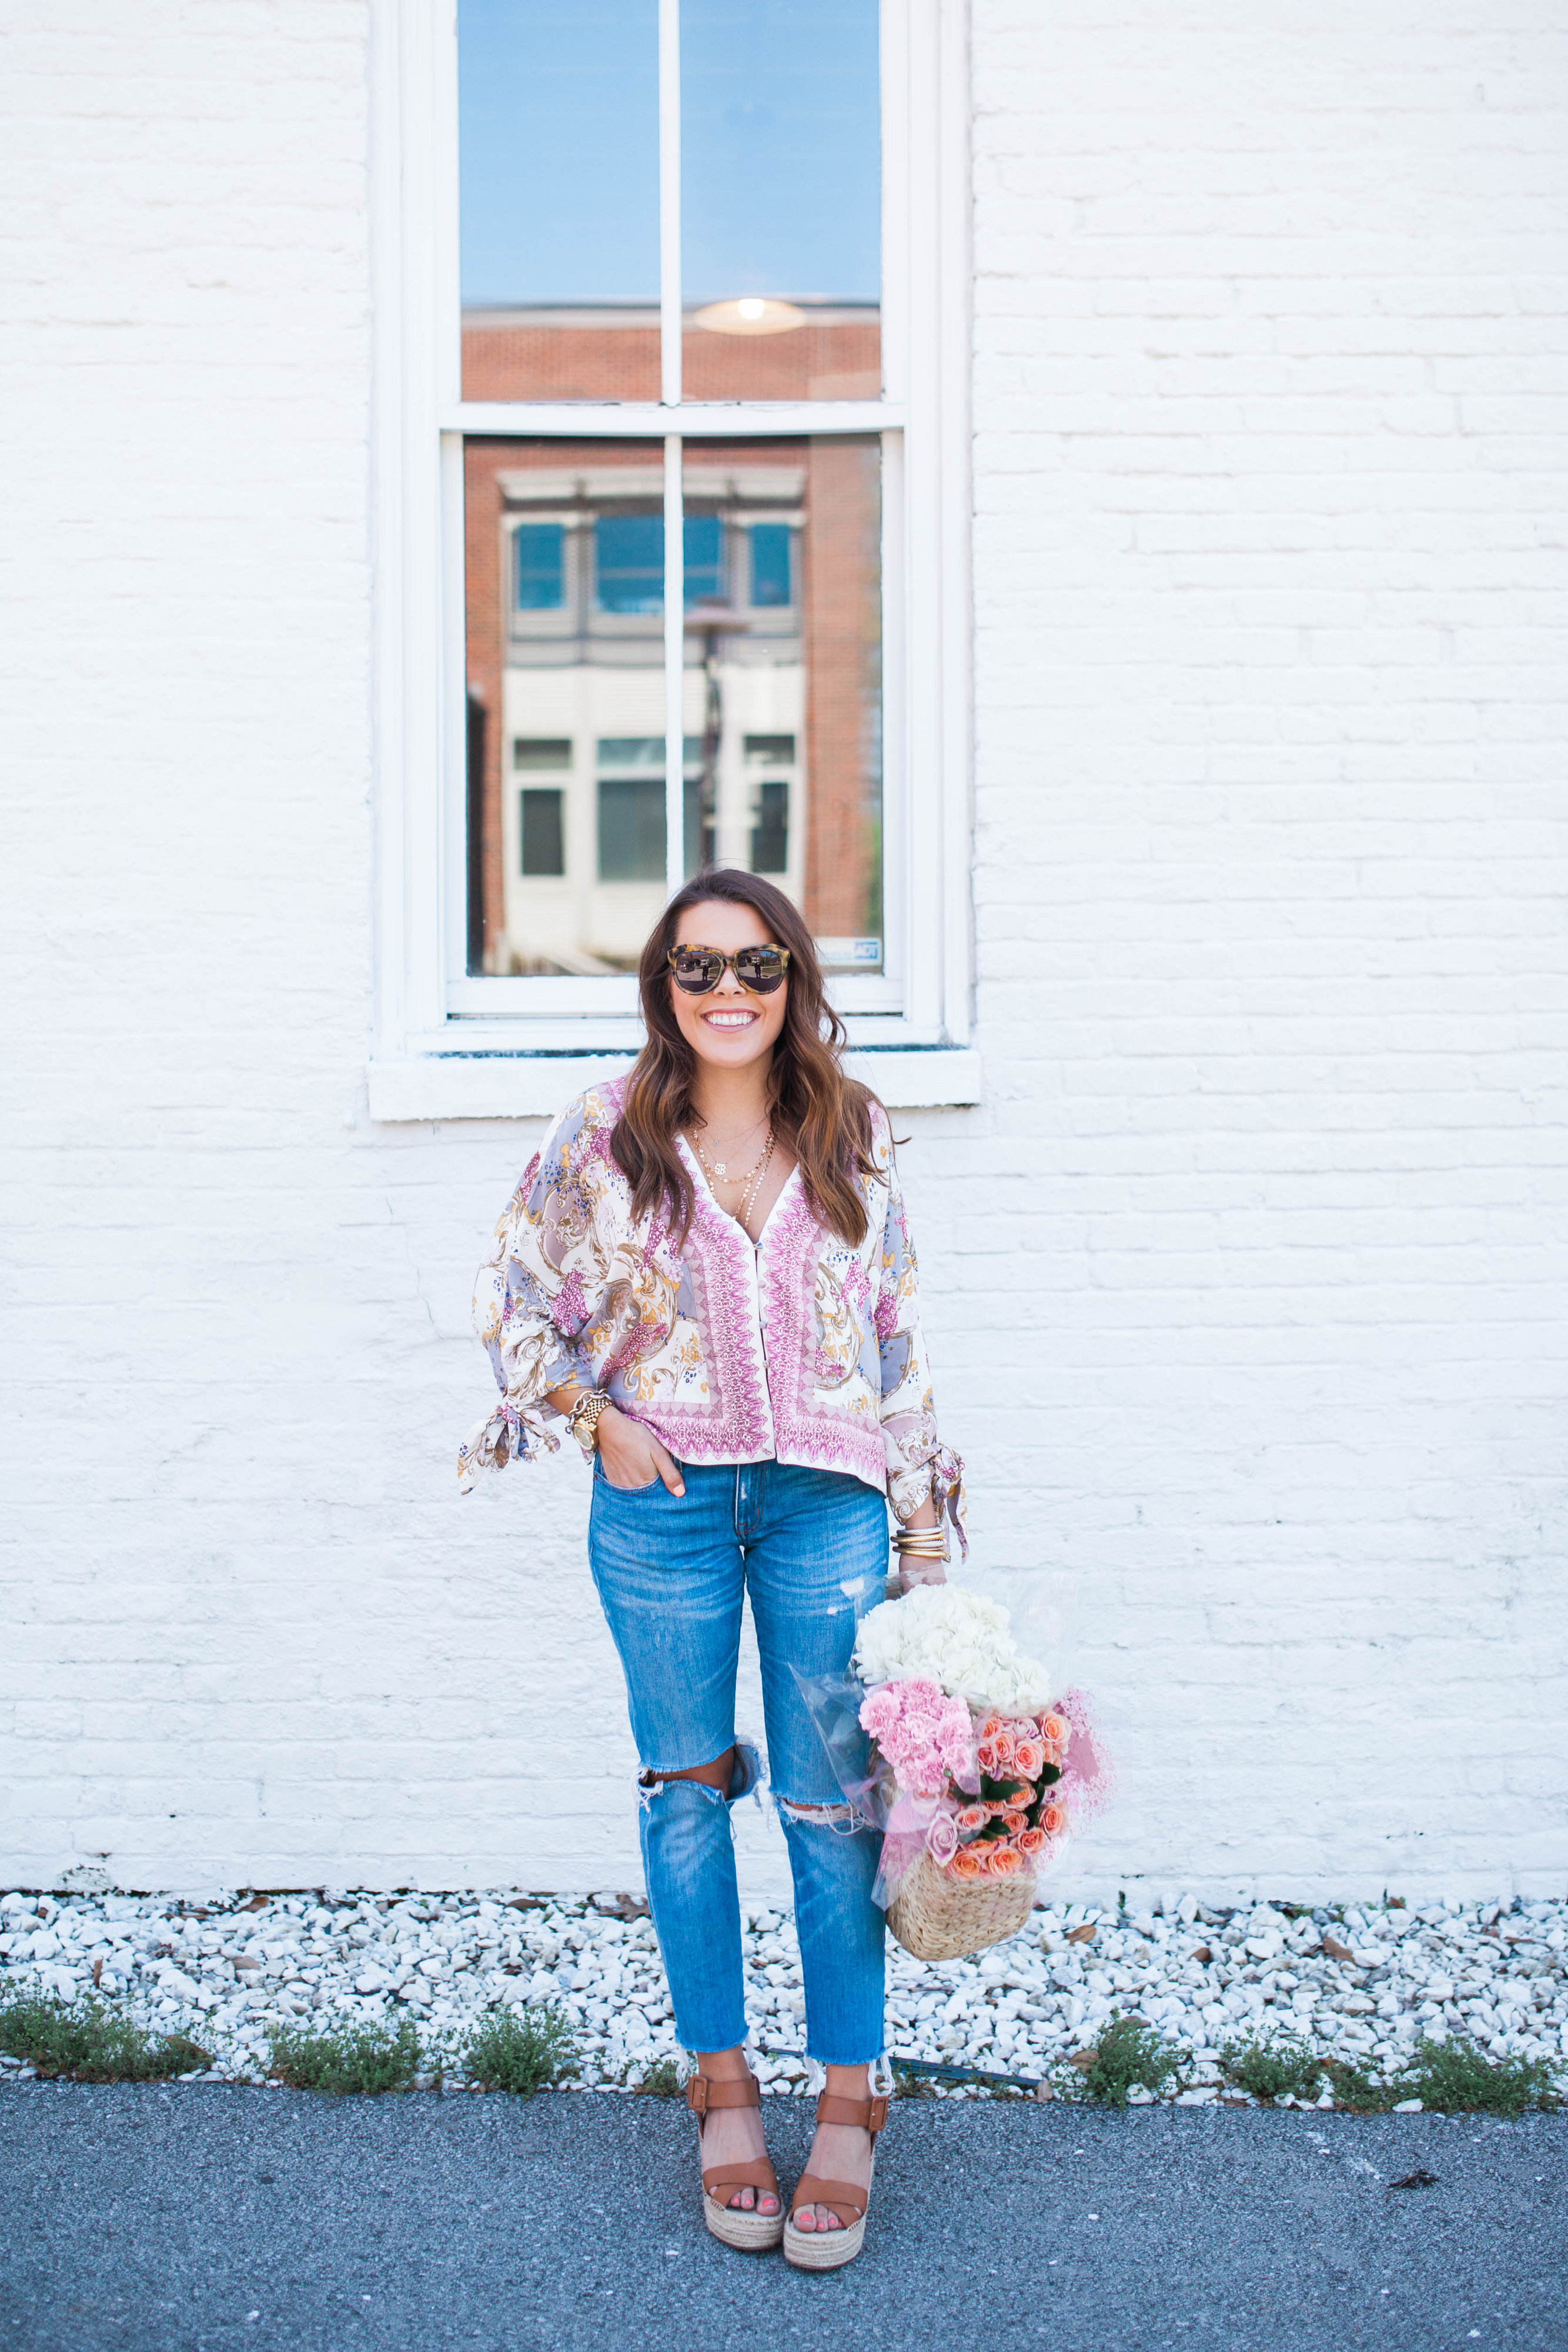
[1245, 1283]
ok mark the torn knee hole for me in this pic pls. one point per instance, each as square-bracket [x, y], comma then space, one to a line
[829, 1813]
[651, 1785]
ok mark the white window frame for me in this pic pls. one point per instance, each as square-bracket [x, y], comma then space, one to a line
[446, 1043]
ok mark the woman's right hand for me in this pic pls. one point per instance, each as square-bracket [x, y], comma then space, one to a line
[631, 1455]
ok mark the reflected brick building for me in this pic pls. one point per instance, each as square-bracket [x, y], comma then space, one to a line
[782, 704]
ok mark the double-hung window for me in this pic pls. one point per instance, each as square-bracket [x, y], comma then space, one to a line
[671, 308]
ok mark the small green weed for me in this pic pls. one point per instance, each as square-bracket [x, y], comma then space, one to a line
[1357, 2088]
[908, 2085]
[338, 2061]
[92, 2043]
[520, 2050]
[1268, 2065]
[1128, 2051]
[1459, 2079]
[662, 2081]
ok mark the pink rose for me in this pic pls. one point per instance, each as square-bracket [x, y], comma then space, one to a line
[942, 1838]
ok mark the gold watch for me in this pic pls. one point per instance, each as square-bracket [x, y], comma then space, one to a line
[583, 1421]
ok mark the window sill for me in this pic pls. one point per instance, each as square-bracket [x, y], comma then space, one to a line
[535, 1085]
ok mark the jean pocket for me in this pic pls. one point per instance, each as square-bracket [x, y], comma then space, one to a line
[610, 1487]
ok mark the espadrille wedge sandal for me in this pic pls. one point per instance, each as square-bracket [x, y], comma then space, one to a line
[750, 2233]
[829, 2249]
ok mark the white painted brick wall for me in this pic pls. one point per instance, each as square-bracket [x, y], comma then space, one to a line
[1245, 1284]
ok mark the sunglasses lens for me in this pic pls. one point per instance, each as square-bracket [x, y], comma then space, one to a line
[761, 968]
[697, 974]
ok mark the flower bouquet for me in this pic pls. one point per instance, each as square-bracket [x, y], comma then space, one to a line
[978, 1768]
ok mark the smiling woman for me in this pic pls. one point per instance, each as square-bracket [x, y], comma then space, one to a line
[707, 1273]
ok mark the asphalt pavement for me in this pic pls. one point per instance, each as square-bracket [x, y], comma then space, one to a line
[200, 2217]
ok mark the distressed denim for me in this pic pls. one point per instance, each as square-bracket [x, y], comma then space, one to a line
[809, 1547]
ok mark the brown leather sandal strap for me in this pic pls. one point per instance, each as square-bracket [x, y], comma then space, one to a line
[756, 2174]
[704, 2094]
[869, 2113]
[840, 2196]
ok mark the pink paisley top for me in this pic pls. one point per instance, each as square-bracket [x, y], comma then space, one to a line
[802, 1348]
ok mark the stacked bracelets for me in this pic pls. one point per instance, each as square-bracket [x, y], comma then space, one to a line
[921, 1543]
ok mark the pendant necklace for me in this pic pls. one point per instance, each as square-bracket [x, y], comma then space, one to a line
[719, 1168]
[714, 1172]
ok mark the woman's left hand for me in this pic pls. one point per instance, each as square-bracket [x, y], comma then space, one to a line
[911, 1572]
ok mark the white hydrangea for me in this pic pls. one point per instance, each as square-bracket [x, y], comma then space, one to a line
[960, 1640]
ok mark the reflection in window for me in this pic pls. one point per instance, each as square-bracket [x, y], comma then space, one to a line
[781, 222]
[780, 199]
[702, 546]
[632, 828]
[628, 563]
[770, 834]
[780, 690]
[540, 567]
[781, 149]
[542, 752]
[783, 686]
[543, 834]
[558, 197]
[771, 545]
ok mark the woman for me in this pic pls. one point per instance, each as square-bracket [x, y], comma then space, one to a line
[706, 1273]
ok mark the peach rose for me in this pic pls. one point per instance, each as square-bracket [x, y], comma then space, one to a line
[1030, 1841]
[973, 1817]
[1056, 1729]
[1028, 1758]
[1006, 1861]
[1012, 1822]
[966, 1863]
[1053, 1819]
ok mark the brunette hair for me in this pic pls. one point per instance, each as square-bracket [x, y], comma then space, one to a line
[821, 1112]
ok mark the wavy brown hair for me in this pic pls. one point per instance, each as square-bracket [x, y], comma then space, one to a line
[821, 1112]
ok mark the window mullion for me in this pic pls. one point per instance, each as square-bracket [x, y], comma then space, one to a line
[670, 202]
[674, 669]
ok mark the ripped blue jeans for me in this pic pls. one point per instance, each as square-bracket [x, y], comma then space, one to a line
[671, 1572]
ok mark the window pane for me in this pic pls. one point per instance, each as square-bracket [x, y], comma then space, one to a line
[703, 549]
[632, 829]
[544, 840]
[566, 696]
[629, 562]
[542, 553]
[783, 688]
[770, 549]
[558, 191]
[782, 199]
[541, 752]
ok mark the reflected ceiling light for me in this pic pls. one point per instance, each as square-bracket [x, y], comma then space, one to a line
[750, 314]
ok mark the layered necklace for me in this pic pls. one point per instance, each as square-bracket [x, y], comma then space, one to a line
[718, 1173]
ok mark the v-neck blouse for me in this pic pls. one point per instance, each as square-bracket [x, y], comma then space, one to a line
[800, 1348]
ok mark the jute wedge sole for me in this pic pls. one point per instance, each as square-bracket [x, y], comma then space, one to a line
[749, 2233]
[829, 2249]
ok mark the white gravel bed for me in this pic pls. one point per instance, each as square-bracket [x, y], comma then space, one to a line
[1359, 1982]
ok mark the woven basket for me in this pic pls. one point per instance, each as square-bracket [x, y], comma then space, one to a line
[942, 1918]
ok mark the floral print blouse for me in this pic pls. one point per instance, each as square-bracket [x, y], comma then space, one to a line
[801, 1349]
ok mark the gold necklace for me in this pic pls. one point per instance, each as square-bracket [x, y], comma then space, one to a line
[720, 1169]
[752, 1179]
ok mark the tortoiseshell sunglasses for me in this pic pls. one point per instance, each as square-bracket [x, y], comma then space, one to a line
[698, 970]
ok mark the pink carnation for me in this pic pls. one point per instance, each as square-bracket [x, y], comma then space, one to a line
[923, 1735]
